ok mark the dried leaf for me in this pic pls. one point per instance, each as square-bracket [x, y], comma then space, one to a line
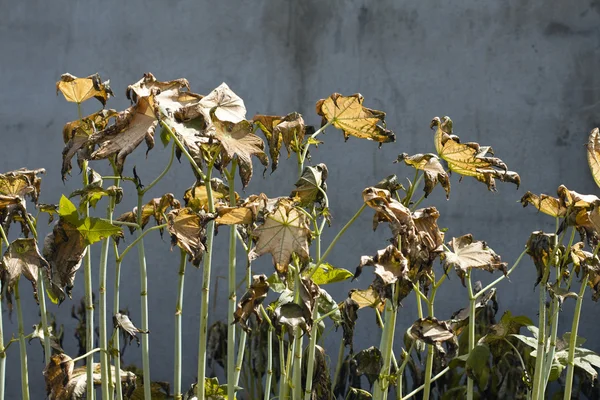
[154, 208]
[349, 310]
[540, 247]
[246, 213]
[432, 169]
[187, 229]
[122, 322]
[366, 298]
[92, 193]
[349, 115]
[284, 232]
[196, 197]
[547, 204]
[291, 316]
[431, 331]
[593, 154]
[470, 159]
[250, 302]
[227, 105]
[468, 254]
[311, 186]
[78, 90]
[21, 183]
[390, 265]
[369, 363]
[150, 85]
[289, 131]
[21, 258]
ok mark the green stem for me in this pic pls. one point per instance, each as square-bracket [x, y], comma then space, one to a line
[163, 173]
[472, 300]
[22, 348]
[177, 394]
[302, 159]
[297, 370]
[419, 304]
[573, 339]
[210, 233]
[87, 354]
[2, 347]
[435, 378]
[184, 151]
[411, 189]
[310, 363]
[282, 365]
[116, 305]
[523, 365]
[386, 346]
[335, 240]
[541, 347]
[269, 378]
[502, 277]
[400, 373]
[244, 335]
[232, 294]
[143, 298]
[284, 381]
[430, 349]
[338, 366]
[139, 238]
[89, 301]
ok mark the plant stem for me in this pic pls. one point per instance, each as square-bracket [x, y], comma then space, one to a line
[178, 316]
[163, 173]
[115, 339]
[89, 301]
[184, 151]
[386, 346]
[338, 366]
[400, 373]
[2, 348]
[541, 347]
[269, 377]
[81, 357]
[430, 349]
[297, 371]
[435, 378]
[138, 239]
[310, 363]
[573, 339]
[232, 295]
[302, 159]
[143, 298]
[472, 321]
[284, 380]
[502, 277]
[22, 348]
[243, 335]
[210, 233]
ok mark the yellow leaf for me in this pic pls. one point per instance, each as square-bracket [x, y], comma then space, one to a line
[78, 90]
[593, 154]
[432, 169]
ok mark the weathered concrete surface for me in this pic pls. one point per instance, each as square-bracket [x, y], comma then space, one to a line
[521, 76]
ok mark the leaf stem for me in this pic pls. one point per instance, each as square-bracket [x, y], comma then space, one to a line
[163, 173]
[386, 346]
[400, 372]
[89, 300]
[430, 349]
[435, 378]
[22, 348]
[177, 394]
[116, 309]
[210, 233]
[138, 239]
[231, 283]
[573, 339]
[302, 159]
[472, 322]
[310, 363]
[81, 357]
[501, 278]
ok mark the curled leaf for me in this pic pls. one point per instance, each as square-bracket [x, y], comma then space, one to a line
[288, 130]
[366, 298]
[311, 186]
[78, 90]
[470, 159]
[389, 264]
[467, 254]
[593, 154]
[547, 204]
[291, 316]
[154, 208]
[122, 322]
[369, 363]
[197, 199]
[188, 231]
[250, 302]
[540, 247]
[431, 331]
[92, 193]
[348, 114]
[150, 85]
[432, 169]
[349, 309]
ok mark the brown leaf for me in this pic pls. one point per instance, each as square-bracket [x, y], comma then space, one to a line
[470, 159]
[78, 90]
[285, 231]
[132, 126]
[389, 264]
[547, 204]
[238, 140]
[288, 130]
[311, 186]
[246, 213]
[348, 114]
[154, 208]
[21, 258]
[122, 321]
[22, 182]
[467, 254]
[366, 298]
[431, 331]
[227, 105]
[540, 247]
[150, 85]
[187, 229]
[196, 197]
[250, 302]
[593, 154]
[432, 169]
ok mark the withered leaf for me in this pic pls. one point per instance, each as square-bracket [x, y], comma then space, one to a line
[389, 264]
[467, 254]
[540, 247]
[187, 229]
[92, 193]
[291, 316]
[311, 185]
[150, 85]
[285, 231]
[366, 298]
[349, 313]
[21, 183]
[431, 331]
[76, 135]
[154, 208]
[470, 159]
[288, 130]
[250, 302]
[21, 258]
[547, 204]
[369, 362]
[556, 292]
[122, 322]
[196, 197]
[227, 105]
[593, 154]
[248, 212]
[78, 90]
[132, 126]
[238, 140]
[348, 114]
[432, 169]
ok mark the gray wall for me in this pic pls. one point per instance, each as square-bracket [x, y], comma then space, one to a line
[519, 75]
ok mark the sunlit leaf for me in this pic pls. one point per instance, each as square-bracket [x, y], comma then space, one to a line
[389, 264]
[468, 254]
[196, 197]
[366, 298]
[593, 154]
[284, 233]
[91, 194]
[326, 274]
[248, 212]
[349, 115]
[431, 331]
[78, 90]
[288, 130]
[227, 105]
[122, 322]
[188, 231]
[470, 159]
[154, 208]
[251, 300]
[540, 247]
[150, 85]
[432, 169]
[544, 203]
[311, 186]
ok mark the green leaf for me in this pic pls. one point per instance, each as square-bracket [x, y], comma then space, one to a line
[165, 136]
[477, 362]
[94, 229]
[68, 211]
[327, 273]
[555, 371]
[529, 341]
[327, 304]
[275, 283]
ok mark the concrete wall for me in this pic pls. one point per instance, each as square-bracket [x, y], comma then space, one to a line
[521, 76]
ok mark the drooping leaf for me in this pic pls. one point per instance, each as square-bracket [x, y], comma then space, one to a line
[154, 208]
[291, 316]
[432, 169]
[15, 187]
[467, 254]
[311, 186]
[238, 140]
[321, 379]
[122, 322]
[560, 293]
[132, 126]
[196, 197]
[470, 159]
[389, 264]
[188, 231]
[284, 232]
[348, 114]
[250, 302]
[21, 258]
[540, 247]
[91, 194]
[326, 274]
[227, 105]
[76, 135]
[478, 364]
[251, 210]
[369, 363]
[78, 90]
[150, 85]
[366, 298]
[55, 340]
[349, 309]
[431, 330]
[327, 305]
[288, 130]
[547, 204]
[593, 154]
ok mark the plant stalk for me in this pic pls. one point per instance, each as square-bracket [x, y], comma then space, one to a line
[22, 348]
[538, 380]
[177, 394]
[386, 346]
[430, 349]
[435, 378]
[232, 295]
[210, 233]
[472, 322]
[2, 348]
[297, 369]
[400, 373]
[310, 363]
[243, 334]
[269, 378]
[573, 339]
[116, 306]
[89, 300]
